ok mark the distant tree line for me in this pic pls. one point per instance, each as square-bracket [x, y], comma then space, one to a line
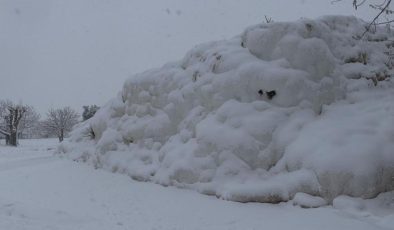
[22, 121]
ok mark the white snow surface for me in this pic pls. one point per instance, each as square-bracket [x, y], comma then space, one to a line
[202, 124]
[307, 201]
[40, 191]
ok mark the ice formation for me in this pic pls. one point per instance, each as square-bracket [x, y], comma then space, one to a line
[284, 108]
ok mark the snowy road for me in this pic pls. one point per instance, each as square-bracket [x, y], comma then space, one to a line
[39, 191]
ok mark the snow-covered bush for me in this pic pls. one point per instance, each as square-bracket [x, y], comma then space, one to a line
[283, 108]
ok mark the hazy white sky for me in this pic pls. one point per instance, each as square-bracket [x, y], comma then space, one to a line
[55, 53]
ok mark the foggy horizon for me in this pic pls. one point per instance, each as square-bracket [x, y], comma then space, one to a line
[74, 53]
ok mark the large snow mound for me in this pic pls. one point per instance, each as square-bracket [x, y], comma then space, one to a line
[286, 107]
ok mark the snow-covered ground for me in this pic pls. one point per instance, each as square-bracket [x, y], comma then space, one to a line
[40, 191]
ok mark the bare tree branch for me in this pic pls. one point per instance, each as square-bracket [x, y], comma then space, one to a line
[4, 132]
[373, 22]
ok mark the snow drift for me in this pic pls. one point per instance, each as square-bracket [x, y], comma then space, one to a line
[284, 108]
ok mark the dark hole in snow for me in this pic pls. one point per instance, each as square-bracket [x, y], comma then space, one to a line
[271, 94]
[308, 27]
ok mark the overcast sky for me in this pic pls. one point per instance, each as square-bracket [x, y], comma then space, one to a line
[79, 52]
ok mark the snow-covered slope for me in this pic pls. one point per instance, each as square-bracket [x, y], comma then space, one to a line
[283, 108]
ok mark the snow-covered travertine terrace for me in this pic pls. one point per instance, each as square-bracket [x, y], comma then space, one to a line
[287, 107]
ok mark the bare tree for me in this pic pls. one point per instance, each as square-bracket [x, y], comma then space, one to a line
[383, 9]
[3, 113]
[29, 123]
[11, 115]
[60, 122]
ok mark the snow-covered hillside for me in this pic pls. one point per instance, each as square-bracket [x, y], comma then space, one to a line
[283, 108]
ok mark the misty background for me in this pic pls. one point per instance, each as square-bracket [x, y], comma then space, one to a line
[75, 53]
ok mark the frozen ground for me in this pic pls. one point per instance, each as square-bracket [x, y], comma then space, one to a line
[40, 191]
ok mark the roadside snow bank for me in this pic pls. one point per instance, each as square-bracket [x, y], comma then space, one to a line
[284, 108]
